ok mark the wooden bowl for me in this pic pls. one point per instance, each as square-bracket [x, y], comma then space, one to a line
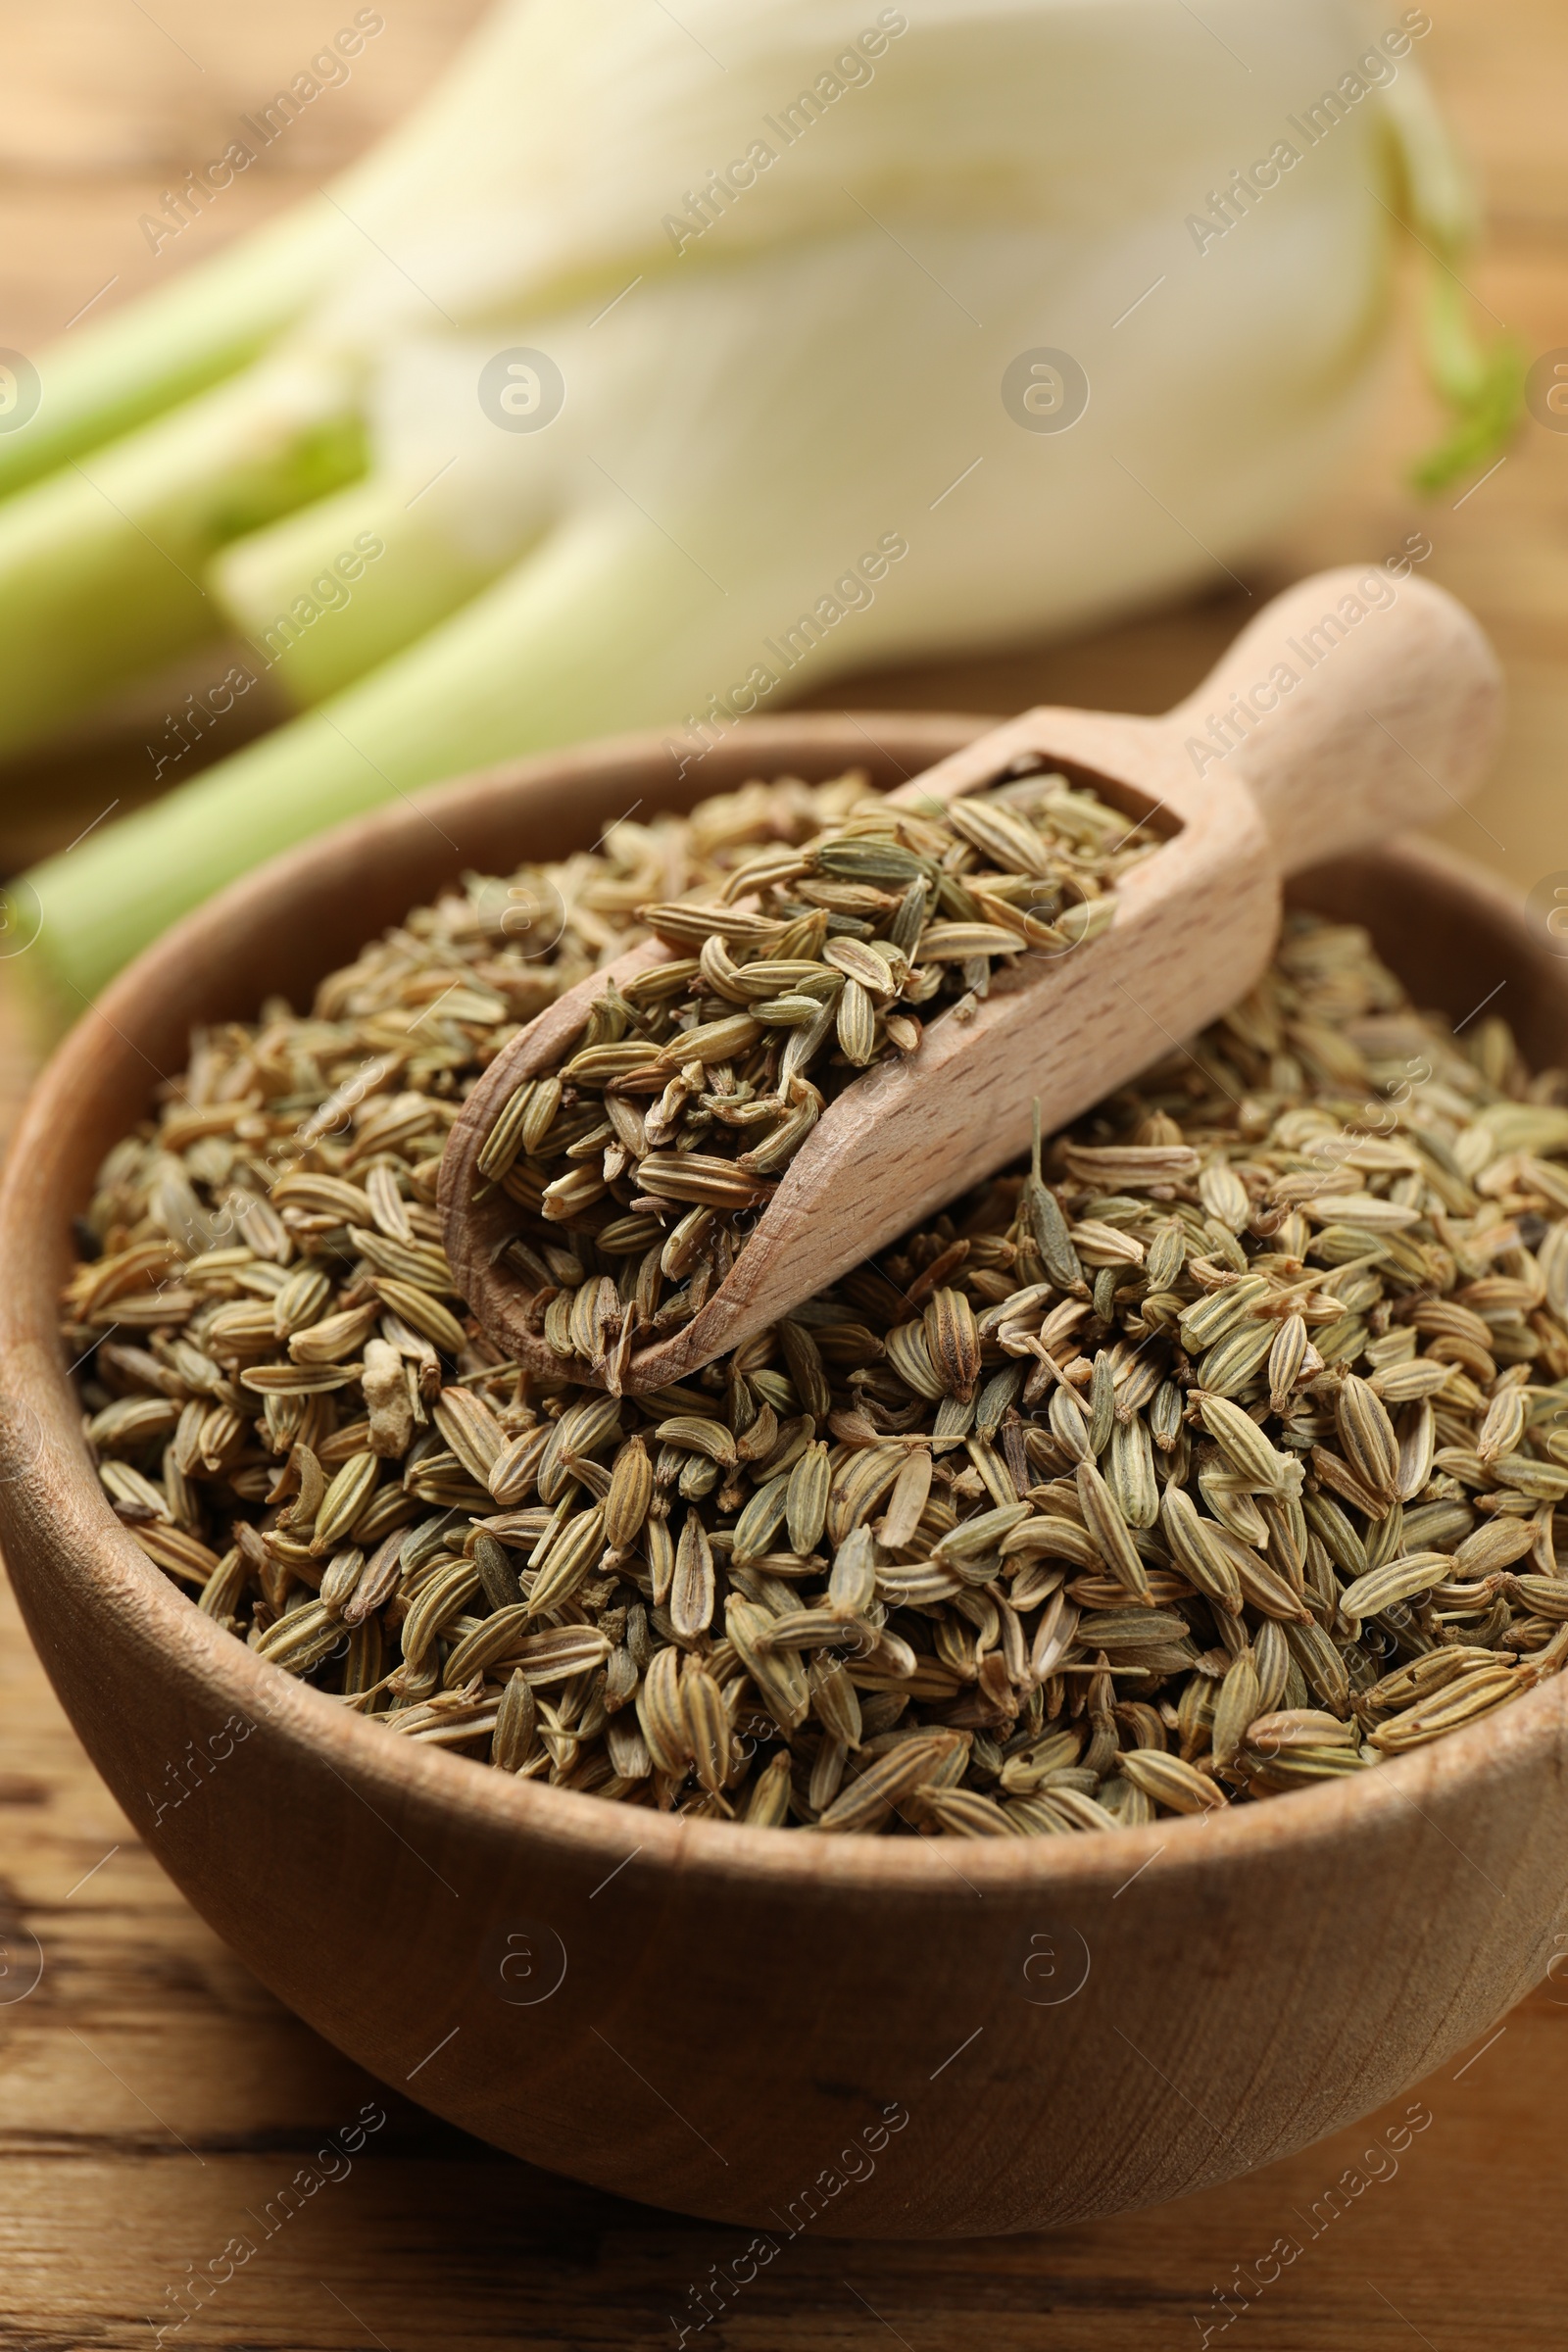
[876, 2037]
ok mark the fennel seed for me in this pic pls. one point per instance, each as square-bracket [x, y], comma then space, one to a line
[1212, 1456]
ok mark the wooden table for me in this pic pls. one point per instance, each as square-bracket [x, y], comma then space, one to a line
[153, 2098]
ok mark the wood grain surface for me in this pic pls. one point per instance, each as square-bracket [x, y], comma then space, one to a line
[152, 2099]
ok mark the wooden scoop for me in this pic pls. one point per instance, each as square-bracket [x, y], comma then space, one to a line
[1355, 705]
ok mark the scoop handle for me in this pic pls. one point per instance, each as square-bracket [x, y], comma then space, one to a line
[1357, 704]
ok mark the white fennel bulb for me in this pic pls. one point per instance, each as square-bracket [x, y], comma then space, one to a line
[673, 366]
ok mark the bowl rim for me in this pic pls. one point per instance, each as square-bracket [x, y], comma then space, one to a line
[156, 1612]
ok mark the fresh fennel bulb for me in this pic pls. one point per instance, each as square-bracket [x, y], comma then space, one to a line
[774, 262]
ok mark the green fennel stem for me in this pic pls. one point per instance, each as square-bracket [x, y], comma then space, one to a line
[557, 650]
[418, 579]
[1482, 385]
[101, 567]
[114, 372]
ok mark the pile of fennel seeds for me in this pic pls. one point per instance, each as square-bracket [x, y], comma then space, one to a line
[1222, 1460]
[664, 1128]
